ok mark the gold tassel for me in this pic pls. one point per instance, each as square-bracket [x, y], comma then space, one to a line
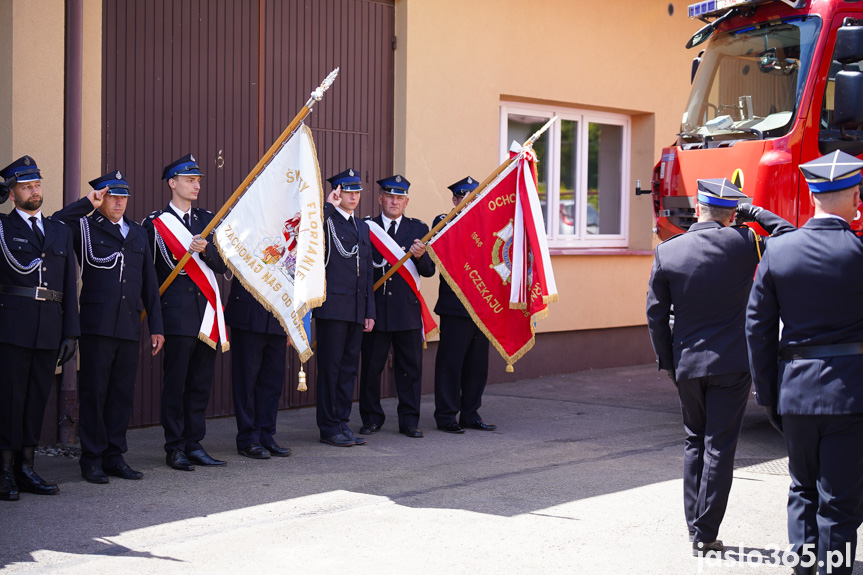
[424, 345]
[302, 377]
[509, 368]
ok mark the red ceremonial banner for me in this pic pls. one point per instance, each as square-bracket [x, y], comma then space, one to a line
[474, 253]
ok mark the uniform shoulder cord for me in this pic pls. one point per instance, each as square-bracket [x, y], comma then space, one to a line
[757, 242]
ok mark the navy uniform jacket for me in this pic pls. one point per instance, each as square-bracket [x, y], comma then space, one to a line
[706, 275]
[397, 306]
[110, 304]
[183, 304]
[812, 279]
[349, 294]
[24, 321]
[245, 312]
[447, 302]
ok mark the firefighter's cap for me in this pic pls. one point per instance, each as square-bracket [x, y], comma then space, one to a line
[114, 181]
[719, 192]
[396, 185]
[464, 187]
[349, 180]
[833, 172]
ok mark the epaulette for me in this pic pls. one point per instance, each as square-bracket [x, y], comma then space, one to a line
[671, 238]
[99, 218]
[367, 218]
[53, 219]
[154, 215]
[203, 210]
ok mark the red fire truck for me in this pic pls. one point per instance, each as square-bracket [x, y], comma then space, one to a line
[777, 83]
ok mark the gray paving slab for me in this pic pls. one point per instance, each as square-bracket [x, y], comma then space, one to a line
[582, 475]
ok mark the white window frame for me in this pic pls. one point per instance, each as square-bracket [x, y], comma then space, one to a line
[580, 238]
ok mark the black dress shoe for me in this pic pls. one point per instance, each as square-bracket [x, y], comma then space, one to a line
[201, 457]
[278, 451]
[176, 459]
[93, 474]
[370, 428]
[350, 435]
[254, 451]
[411, 432]
[122, 471]
[481, 425]
[699, 548]
[339, 440]
[451, 428]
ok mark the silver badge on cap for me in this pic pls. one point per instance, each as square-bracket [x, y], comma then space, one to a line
[469, 180]
[118, 175]
[399, 179]
[193, 158]
[26, 160]
[351, 173]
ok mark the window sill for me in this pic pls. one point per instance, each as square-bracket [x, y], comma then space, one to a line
[574, 251]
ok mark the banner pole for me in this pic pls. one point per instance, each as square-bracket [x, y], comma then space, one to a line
[316, 96]
[467, 199]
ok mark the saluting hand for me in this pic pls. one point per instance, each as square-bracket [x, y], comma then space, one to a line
[335, 197]
[198, 244]
[418, 248]
[95, 197]
[158, 342]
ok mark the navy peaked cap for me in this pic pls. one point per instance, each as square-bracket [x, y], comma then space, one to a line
[185, 166]
[464, 187]
[397, 185]
[833, 172]
[116, 183]
[719, 192]
[24, 169]
[349, 180]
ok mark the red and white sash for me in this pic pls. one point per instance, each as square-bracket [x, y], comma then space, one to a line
[178, 238]
[392, 252]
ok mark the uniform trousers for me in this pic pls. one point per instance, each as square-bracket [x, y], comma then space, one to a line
[257, 377]
[461, 371]
[825, 501]
[713, 408]
[28, 375]
[407, 367]
[187, 378]
[106, 395]
[338, 353]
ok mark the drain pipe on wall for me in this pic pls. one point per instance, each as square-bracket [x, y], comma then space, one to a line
[67, 408]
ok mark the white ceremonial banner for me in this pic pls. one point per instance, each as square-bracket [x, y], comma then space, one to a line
[272, 239]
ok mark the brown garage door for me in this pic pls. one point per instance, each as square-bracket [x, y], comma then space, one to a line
[221, 79]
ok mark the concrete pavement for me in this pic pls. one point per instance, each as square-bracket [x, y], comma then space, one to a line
[583, 475]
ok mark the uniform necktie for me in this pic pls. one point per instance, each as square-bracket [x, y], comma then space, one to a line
[351, 221]
[391, 232]
[119, 228]
[36, 230]
[187, 221]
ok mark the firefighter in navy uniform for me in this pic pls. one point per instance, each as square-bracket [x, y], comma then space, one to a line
[259, 344]
[810, 381]
[349, 309]
[119, 280]
[705, 276]
[399, 319]
[461, 364]
[38, 322]
[187, 363]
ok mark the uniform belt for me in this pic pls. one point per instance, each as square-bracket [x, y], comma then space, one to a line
[821, 351]
[37, 293]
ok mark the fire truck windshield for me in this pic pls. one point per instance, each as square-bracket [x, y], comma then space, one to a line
[750, 81]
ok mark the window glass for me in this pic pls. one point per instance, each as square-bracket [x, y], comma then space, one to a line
[568, 172]
[520, 128]
[605, 149]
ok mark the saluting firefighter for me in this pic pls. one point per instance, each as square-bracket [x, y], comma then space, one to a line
[119, 280]
[399, 321]
[810, 381]
[38, 321]
[188, 363]
[461, 364]
[704, 275]
[348, 311]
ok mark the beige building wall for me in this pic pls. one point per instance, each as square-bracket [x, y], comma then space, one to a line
[457, 61]
[32, 55]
